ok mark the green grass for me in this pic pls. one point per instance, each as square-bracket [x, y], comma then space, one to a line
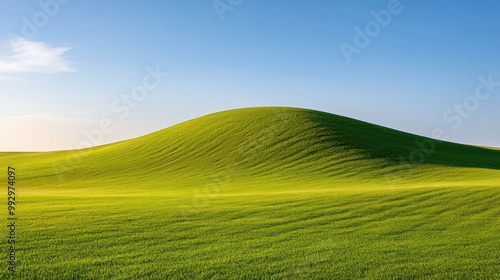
[260, 193]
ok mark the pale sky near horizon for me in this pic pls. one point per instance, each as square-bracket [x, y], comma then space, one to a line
[69, 68]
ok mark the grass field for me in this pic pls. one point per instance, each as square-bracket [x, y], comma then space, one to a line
[259, 193]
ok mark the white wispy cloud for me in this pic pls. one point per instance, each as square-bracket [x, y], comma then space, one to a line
[33, 57]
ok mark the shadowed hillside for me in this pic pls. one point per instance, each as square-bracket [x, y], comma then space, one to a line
[260, 193]
[267, 142]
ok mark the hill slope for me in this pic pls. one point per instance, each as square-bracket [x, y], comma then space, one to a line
[259, 193]
[267, 143]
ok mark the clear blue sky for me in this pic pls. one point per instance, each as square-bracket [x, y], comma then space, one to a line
[64, 66]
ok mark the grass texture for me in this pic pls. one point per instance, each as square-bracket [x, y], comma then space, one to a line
[259, 193]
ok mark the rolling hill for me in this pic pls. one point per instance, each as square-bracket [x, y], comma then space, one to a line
[260, 193]
[275, 142]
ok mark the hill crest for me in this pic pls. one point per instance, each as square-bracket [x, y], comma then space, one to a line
[269, 142]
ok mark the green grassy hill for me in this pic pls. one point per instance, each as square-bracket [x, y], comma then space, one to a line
[256, 143]
[260, 193]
